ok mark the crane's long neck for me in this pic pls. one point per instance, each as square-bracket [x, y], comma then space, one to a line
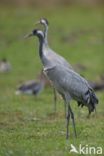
[46, 34]
[44, 52]
[41, 44]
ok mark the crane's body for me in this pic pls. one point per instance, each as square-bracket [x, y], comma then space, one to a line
[66, 81]
[71, 85]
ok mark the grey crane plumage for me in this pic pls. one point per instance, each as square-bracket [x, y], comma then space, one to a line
[50, 54]
[66, 81]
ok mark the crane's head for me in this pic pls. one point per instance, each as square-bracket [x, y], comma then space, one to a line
[43, 21]
[35, 32]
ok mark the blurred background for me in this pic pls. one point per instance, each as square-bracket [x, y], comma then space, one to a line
[50, 3]
[76, 31]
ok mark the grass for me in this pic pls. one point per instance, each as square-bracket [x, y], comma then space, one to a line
[28, 126]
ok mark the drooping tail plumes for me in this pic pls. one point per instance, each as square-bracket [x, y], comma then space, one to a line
[93, 101]
[90, 100]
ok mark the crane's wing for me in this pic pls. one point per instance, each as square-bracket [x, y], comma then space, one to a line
[68, 81]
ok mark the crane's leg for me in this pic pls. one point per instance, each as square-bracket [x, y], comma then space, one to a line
[65, 104]
[73, 121]
[65, 109]
[55, 98]
[67, 123]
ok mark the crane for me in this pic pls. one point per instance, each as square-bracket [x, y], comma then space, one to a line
[53, 56]
[69, 84]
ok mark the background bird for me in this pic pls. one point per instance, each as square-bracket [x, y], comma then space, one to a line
[5, 66]
[32, 87]
[97, 86]
[67, 82]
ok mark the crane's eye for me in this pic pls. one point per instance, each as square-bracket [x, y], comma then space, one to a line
[34, 31]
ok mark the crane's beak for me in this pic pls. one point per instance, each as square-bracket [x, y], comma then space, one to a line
[28, 35]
